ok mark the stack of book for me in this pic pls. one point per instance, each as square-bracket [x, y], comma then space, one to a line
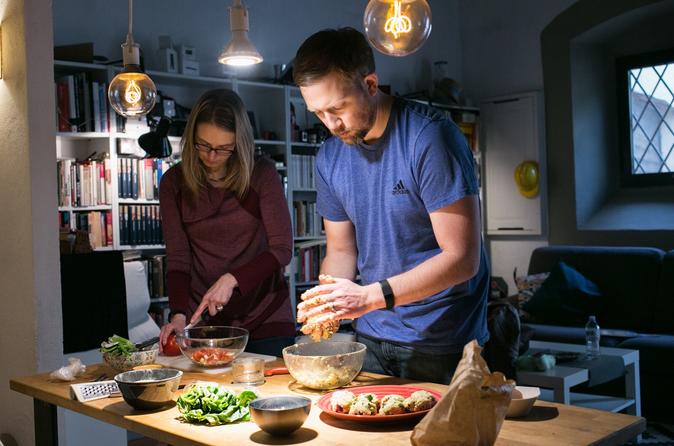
[139, 178]
[81, 104]
[98, 224]
[306, 220]
[302, 171]
[84, 183]
[309, 256]
[140, 225]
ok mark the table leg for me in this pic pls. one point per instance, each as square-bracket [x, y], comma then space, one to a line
[46, 426]
[633, 388]
[562, 393]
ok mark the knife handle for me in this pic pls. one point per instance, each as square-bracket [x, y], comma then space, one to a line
[276, 371]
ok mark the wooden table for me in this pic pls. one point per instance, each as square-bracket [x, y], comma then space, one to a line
[548, 424]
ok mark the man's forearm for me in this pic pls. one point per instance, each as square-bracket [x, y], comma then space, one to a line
[432, 276]
[340, 264]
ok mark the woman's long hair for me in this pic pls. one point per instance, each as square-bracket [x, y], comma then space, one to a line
[224, 109]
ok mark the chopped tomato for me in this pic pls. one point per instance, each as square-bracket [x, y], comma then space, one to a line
[212, 356]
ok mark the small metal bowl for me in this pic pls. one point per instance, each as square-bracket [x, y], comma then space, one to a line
[280, 415]
[148, 389]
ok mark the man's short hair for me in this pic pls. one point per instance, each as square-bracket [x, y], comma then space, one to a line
[344, 51]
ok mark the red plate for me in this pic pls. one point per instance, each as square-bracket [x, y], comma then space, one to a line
[379, 391]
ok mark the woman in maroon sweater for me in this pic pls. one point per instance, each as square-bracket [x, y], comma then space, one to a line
[227, 229]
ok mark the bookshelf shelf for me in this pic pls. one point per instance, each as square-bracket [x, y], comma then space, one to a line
[309, 238]
[140, 247]
[190, 79]
[65, 64]
[136, 201]
[305, 144]
[91, 208]
[82, 135]
[269, 142]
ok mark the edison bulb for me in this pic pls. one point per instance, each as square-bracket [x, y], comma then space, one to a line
[397, 27]
[132, 92]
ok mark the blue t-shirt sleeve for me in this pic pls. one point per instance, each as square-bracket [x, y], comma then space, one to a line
[327, 203]
[444, 165]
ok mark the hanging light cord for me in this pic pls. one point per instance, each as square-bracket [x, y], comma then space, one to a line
[129, 35]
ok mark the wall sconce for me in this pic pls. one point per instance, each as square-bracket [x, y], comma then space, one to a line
[397, 27]
[240, 51]
[131, 93]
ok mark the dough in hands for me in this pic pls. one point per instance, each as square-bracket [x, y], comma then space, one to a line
[317, 327]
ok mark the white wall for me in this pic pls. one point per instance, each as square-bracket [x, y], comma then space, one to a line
[30, 322]
[501, 54]
[277, 28]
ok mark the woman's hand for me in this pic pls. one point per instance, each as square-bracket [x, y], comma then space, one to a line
[216, 297]
[177, 324]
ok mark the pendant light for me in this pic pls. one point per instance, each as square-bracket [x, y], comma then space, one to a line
[397, 27]
[131, 93]
[240, 51]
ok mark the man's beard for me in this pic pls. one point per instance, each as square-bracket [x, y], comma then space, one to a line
[367, 117]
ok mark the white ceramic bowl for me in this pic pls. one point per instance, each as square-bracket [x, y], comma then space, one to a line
[523, 399]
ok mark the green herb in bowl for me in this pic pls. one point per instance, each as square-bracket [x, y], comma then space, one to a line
[122, 354]
[117, 346]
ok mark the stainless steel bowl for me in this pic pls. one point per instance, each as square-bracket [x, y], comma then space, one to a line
[324, 365]
[148, 389]
[280, 415]
[211, 345]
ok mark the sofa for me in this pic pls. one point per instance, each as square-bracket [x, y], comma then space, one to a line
[637, 299]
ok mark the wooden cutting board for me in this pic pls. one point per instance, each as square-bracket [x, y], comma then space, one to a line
[184, 364]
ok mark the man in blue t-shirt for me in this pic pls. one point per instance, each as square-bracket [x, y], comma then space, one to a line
[397, 190]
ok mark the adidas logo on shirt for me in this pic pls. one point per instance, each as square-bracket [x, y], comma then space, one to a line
[400, 189]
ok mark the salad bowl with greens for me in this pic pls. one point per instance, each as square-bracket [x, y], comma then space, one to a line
[122, 354]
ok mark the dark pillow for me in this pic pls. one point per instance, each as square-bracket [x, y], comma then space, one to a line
[566, 297]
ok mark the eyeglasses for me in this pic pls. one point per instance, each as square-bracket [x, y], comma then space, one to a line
[205, 148]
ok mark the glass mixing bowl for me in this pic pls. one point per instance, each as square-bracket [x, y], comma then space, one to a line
[212, 346]
[324, 365]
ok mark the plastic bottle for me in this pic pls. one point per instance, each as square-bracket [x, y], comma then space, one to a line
[592, 335]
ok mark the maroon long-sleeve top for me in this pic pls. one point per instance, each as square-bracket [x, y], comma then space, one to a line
[215, 233]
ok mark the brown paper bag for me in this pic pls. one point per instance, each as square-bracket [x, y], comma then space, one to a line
[472, 411]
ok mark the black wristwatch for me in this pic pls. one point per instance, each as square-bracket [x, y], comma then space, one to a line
[388, 294]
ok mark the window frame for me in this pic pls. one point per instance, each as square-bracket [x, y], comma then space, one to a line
[623, 66]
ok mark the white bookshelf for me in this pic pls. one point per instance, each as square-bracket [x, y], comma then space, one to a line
[269, 102]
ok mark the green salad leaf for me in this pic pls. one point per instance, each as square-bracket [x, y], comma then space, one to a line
[118, 346]
[213, 404]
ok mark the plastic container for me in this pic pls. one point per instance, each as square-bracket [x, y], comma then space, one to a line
[592, 336]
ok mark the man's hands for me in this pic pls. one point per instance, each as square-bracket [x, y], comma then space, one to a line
[216, 297]
[334, 299]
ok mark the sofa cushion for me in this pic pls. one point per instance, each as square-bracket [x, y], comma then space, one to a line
[628, 278]
[564, 298]
[655, 353]
[664, 305]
